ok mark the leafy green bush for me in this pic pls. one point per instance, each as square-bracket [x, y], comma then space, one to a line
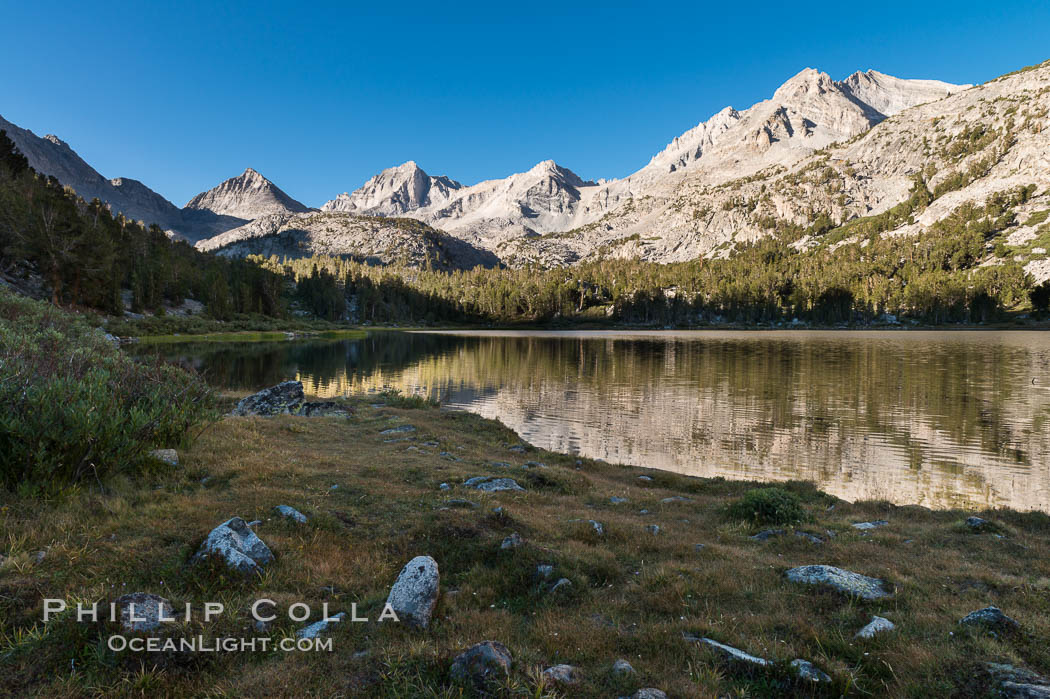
[75, 407]
[768, 506]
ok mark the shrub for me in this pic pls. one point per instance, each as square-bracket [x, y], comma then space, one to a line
[75, 407]
[768, 506]
[396, 399]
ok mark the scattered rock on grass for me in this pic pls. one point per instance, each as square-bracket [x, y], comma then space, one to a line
[444, 486]
[517, 449]
[809, 672]
[482, 663]
[492, 485]
[868, 526]
[282, 399]
[234, 542]
[1018, 682]
[809, 537]
[647, 479]
[320, 627]
[622, 667]
[992, 617]
[563, 674]
[598, 528]
[511, 542]
[976, 523]
[842, 580]
[142, 611]
[544, 570]
[676, 498]
[735, 653]
[168, 456]
[291, 513]
[415, 591]
[767, 534]
[649, 693]
[653, 529]
[877, 625]
[614, 500]
[562, 584]
[403, 429]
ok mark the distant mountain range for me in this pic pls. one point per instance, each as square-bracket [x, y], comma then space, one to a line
[844, 148]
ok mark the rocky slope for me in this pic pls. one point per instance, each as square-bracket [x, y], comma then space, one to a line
[511, 216]
[247, 196]
[52, 156]
[375, 240]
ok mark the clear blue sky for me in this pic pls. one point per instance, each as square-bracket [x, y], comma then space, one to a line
[318, 97]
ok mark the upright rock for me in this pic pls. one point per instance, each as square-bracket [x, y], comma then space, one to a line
[415, 591]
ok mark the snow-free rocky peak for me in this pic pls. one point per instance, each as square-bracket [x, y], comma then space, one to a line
[247, 196]
[394, 191]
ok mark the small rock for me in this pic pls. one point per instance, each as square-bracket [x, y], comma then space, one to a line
[502, 464]
[458, 502]
[868, 526]
[481, 663]
[767, 534]
[517, 449]
[402, 429]
[168, 456]
[262, 626]
[614, 500]
[450, 456]
[647, 479]
[290, 513]
[643, 512]
[324, 409]
[649, 693]
[976, 523]
[1018, 682]
[415, 591]
[38, 556]
[563, 674]
[141, 611]
[533, 464]
[544, 570]
[653, 529]
[622, 667]
[598, 528]
[320, 627]
[561, 584]
[842, 580]
[511, 542]
[254, 523]
[492, 485]
[698, 547]
[444, 486]
[809, 537]
[235, 543]
[735, 653]
[282, 399]
[809, 672]
[431, 443]
[877, 625]
[991, 617]
[676, 498]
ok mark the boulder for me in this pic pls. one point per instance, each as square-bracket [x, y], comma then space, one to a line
[291, 513]
[283, 399]
[482, 663]
[563, 674]
[318, 628]
[844, 581]
[991, 617]
[809, 672]
[415, 591]
[141, 611]
[875, 626]
[168, 456]
[234, 542]
[1019, 683]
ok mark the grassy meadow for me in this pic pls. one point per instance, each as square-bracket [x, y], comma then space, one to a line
[634, 595]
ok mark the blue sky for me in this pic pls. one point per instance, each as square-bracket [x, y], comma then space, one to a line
[318, 96]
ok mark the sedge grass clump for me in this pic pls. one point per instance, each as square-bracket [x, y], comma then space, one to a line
[771, 505]
[77, 408]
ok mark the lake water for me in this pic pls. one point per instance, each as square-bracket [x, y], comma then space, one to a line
[941, 419]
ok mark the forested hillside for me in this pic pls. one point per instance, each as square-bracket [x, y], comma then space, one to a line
[86, 256]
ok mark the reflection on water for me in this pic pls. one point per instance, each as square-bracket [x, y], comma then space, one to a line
[938, 419]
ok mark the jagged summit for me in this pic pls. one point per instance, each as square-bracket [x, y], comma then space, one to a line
[395, 191]
[246, 196]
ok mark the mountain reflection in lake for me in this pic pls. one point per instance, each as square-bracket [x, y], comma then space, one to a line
[942, 419]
